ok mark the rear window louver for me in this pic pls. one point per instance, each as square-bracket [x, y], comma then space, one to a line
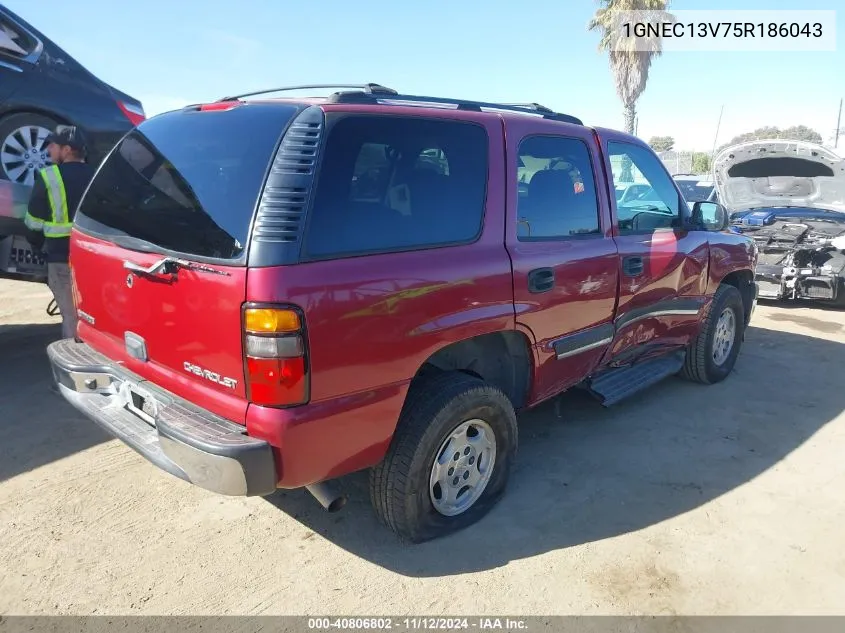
[284, 200]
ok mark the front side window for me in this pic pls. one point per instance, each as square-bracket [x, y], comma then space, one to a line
[389, 183]
[646, 198]
[557, 193]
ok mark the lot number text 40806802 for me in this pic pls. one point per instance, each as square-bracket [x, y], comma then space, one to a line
[417, 624]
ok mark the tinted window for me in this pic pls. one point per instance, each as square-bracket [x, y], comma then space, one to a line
[693, 190]
[557, 193]
[649, 200]
[187, 181]
[13, 41]
[394, 183]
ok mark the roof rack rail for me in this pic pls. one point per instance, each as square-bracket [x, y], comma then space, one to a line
[460, 104]
[369, 89]
[532, 106]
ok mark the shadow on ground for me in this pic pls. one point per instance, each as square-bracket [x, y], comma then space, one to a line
[586, 473]
[37, 427]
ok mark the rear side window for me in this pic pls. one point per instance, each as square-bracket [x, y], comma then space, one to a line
[187, 181]
[390, 183]
[557, 192]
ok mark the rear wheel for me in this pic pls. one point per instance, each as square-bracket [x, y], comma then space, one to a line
[450, 457]
[713, 353]
[23, 147]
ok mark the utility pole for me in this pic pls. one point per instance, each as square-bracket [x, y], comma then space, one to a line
[716, 137]
[838, 122]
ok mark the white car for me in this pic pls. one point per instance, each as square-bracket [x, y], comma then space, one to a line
[789, 196]
[697, 187]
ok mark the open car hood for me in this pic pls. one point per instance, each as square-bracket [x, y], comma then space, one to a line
[780, 173]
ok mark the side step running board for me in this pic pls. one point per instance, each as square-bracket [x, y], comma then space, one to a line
[617, 384]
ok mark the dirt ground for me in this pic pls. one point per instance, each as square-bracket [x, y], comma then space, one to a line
[683, 500]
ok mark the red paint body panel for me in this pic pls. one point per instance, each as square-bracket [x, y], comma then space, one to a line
[194, 318]
[675, 266]
[330, 438]
[729, 252]
[372, 321]
[586, 273]
[374, 324]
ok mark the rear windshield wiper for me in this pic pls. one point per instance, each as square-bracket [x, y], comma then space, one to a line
[170, 266]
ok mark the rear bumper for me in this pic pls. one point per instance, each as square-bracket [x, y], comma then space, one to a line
[180, 438]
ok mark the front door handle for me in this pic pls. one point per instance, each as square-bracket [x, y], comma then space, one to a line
[541, 280]
[633, 266]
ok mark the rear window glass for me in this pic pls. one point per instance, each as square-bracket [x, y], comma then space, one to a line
[187, 181]
[390, 183]
[695, 190]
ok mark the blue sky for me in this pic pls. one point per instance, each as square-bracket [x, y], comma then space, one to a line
[169, 53]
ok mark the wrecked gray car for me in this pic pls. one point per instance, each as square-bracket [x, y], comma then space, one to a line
[789, 197]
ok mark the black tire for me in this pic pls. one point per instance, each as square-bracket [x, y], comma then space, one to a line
[699, 365]
[11, 123]
[436, 406]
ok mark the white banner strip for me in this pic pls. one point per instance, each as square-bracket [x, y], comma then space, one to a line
[734, 30]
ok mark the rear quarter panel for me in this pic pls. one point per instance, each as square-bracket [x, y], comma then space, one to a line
[372, 321]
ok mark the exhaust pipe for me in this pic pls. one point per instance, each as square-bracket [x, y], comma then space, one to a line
[330, 498]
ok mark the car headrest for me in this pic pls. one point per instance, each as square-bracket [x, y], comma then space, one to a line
[552, 183]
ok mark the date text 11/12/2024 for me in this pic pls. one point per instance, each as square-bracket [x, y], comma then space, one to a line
[417, 624]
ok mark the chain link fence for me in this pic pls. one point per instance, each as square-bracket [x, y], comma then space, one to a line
[678, 162]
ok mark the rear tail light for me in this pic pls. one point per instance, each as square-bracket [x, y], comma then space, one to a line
[276, 363]
[135, 113]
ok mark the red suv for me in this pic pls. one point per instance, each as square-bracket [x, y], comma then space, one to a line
[274, 293]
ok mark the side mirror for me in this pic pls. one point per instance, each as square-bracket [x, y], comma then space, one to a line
[711, 216]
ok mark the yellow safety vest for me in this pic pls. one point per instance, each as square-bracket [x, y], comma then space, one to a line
[60, 226]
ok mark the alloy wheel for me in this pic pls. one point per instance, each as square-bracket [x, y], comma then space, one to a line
[723, 338]
[23, 152]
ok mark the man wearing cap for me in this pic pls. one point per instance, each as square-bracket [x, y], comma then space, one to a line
[49, 218]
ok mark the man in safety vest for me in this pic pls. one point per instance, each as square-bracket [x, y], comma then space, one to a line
[49, 218]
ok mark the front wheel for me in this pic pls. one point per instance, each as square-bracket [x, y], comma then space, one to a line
[450, 457]
[712, 354]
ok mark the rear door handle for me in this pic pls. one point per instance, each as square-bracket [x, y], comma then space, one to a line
[541, 280]
[633, 266]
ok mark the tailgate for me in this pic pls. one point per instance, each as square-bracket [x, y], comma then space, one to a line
[172, 328]
[159, 254]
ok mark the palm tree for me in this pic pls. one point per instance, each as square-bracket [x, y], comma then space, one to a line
[629, 62]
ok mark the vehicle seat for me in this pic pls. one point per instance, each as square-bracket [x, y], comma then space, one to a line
[435, 201]
[551, 193]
